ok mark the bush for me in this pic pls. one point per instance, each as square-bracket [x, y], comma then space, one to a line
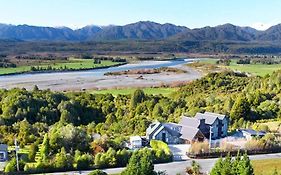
[84, 162]
[12, 166]
[199, 147]
[161, 151]
[97, 172]
[254, 145]
[160, 145]
[32, 151]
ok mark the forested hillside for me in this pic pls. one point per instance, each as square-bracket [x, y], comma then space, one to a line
[63, 118]
[241, 97]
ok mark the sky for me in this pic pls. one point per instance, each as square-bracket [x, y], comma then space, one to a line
[259, 14]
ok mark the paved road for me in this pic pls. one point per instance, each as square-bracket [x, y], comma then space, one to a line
[177, 167]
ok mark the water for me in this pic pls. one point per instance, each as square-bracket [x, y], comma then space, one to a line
[101, 72]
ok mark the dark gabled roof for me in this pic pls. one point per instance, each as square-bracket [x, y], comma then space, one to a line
[189, 133]
[188, 121]
[220, 116]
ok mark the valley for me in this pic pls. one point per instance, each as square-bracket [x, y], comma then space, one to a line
[95, 79]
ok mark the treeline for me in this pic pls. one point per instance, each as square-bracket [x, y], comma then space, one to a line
[267, 61]
[5, 63]
[132, 46]
[103, 58]
[41, 57]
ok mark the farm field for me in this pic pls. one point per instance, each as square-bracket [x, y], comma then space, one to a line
[255, 69]
[266, 167]
[126, 91]
[71, 64]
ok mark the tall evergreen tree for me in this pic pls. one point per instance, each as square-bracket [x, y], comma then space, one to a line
[137, 97]
[245, 166]
[45, 149]
[226, 166]
[217, 167]
[240, 109]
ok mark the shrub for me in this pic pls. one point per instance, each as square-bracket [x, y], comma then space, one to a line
[32, 151]
[84, 162]
[161, 151]
[199, 147]
[12, 166]
[254, 145]
[97, 172]
[226, 147]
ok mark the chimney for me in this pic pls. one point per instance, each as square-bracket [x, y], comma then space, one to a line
[202, 122]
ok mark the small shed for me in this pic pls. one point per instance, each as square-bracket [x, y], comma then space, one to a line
[3, 152]
[135, 142]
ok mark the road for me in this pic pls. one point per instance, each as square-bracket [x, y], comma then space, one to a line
[174, 168]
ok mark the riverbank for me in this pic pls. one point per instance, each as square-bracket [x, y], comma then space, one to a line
[70, 65]
[62, 70]
[96, 80]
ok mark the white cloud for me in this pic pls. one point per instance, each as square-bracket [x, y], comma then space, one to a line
[261, 26]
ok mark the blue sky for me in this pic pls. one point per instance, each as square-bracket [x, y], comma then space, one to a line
[191, 13]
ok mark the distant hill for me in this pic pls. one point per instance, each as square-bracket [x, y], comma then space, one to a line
[87, 32]
[26, 32]
[271, 34]
[140, 30]
[143, 30]
[227, 32]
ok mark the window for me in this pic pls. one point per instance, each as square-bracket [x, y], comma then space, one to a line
[2, 156]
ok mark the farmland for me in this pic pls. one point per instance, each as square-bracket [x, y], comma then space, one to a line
[255, 69]
[127, 91]
[71, 64]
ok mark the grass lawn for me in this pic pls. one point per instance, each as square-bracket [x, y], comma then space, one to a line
[255, 69]
[149, 91]
[74, 64]
[267, 166]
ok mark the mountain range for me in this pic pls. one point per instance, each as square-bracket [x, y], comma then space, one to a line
[143, 30]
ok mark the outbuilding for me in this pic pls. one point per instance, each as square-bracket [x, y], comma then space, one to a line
[135, 142]
[3, 152]
[250, 133]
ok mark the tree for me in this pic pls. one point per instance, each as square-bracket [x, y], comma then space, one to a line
[235, 164]
[35, 88]
[12, 166]
[217, 167]
[45, 149]
[84, 162]
[62, 160]
[226, 166]
[240, 108]
[32, 151]
[146, 164]
[140, 164]
[97, 172]
[245, 166]
[24, 132]
[137, 97]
